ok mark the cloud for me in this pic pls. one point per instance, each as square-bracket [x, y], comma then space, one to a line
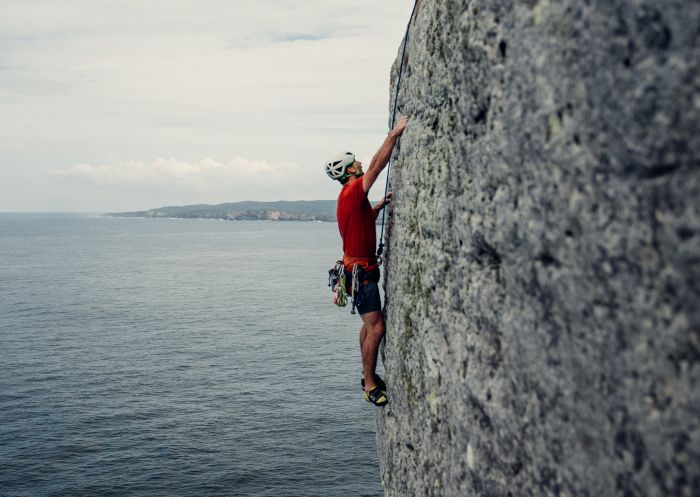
[292, 81]
[144, 184]
[207, 174]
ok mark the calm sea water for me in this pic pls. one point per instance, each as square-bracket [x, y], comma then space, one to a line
[177, 358]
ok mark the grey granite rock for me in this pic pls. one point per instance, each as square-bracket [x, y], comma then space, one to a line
[543, 289]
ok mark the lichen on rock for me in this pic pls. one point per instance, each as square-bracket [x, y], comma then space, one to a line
[543, 257]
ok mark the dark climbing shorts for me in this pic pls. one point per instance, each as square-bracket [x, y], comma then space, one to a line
[368, 299]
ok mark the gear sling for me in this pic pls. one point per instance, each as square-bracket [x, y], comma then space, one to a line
[344, 283]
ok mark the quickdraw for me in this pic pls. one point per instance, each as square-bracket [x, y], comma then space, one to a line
[355, 287]
[337, 283]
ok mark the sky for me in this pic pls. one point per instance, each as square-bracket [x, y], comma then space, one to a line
[129, 105]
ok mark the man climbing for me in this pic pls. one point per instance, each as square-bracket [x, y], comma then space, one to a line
[357, 224]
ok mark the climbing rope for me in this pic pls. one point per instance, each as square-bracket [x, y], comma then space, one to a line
[393, 119]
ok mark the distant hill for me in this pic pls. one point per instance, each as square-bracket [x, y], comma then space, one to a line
[283, 210]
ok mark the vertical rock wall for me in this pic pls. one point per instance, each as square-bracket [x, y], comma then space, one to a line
[543, 292]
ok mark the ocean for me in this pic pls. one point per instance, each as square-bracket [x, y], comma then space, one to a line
[177, 357]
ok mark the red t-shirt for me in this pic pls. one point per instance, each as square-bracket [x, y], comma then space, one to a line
[356, 222]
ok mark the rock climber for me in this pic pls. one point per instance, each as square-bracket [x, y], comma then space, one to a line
[357, 224]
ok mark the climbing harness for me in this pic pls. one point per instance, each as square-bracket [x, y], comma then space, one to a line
[344, 283]
[380, 248]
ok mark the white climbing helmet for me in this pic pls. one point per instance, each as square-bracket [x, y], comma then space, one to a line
[337, 167]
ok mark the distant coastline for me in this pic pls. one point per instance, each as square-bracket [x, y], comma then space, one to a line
[285, 210]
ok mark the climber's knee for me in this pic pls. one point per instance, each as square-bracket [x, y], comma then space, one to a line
[374, 323]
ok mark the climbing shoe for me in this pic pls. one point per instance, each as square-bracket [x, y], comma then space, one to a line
[378, 380]
[376, 397]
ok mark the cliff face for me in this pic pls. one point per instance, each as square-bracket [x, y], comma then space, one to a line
[543, 265]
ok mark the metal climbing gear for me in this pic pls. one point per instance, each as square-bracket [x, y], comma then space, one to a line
[343, 282]
[355, 286]
[338, 285]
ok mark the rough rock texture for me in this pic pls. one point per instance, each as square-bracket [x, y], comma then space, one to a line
[543, 292]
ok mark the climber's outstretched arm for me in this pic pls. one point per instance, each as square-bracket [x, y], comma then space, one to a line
[381, 204]
[381, 158]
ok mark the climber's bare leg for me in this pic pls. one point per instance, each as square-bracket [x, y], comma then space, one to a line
[371, 335]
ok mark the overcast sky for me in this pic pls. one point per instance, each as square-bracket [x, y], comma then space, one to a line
[128, 105]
